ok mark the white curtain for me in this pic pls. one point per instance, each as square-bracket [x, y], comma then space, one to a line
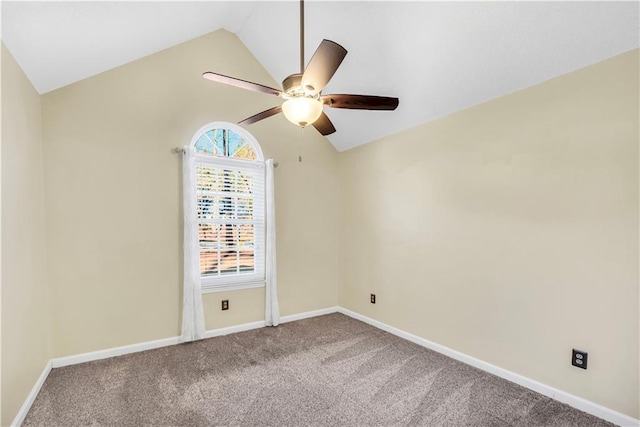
[192, 314]
[272, 311]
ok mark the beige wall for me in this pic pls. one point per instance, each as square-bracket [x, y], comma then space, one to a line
[26, 309]
[113, 191]
[509, 231]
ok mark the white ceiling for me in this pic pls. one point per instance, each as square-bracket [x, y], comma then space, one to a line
[437, 57]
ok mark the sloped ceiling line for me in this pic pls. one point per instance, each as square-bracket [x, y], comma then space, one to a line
[437, 57]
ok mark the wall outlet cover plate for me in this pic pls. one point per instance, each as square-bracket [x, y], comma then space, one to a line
[579, 358]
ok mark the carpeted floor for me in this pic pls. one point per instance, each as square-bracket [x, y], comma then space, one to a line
[325, 371]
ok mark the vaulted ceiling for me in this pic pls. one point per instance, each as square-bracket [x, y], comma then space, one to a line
[437, 57]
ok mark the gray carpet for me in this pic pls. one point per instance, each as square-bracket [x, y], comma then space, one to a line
[325, 371]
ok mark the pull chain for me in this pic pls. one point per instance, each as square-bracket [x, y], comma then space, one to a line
[300, 144]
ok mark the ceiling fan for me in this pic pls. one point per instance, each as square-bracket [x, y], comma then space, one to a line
[302, 91]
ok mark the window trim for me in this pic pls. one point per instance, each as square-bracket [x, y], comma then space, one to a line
[233, 127]
[232, 287]
[235, 282]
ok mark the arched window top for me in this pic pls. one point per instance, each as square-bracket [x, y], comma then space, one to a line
[223, 139]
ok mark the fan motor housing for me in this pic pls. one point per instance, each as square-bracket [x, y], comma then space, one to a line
[293, 85]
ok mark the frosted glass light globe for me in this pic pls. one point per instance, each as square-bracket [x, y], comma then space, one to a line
[302, 111]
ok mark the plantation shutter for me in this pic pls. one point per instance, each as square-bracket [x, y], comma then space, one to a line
[231, 221]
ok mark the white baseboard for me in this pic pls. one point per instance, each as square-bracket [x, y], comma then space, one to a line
[260, 324]
[308, 314]
[559, 395]
[150, 345]
[112, 352]
[22, 413]
[233, 329]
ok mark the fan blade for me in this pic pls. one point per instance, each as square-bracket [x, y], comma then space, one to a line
[243, 84]
[323, 65]
[324, 125]
[256, 118]
[360, 102]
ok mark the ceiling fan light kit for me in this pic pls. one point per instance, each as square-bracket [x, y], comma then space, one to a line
[304, 101]
[301, 107]
[302, 110]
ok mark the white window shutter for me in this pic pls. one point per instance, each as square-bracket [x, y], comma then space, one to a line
[231, 221]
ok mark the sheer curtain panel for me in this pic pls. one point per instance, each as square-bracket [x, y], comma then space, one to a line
[192, 313]
[272, 311]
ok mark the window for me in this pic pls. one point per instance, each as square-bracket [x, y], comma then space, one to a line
[230, 192]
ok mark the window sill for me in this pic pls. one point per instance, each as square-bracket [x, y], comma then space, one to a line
[208, 289]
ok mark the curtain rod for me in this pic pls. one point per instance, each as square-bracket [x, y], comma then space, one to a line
[179, 150]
